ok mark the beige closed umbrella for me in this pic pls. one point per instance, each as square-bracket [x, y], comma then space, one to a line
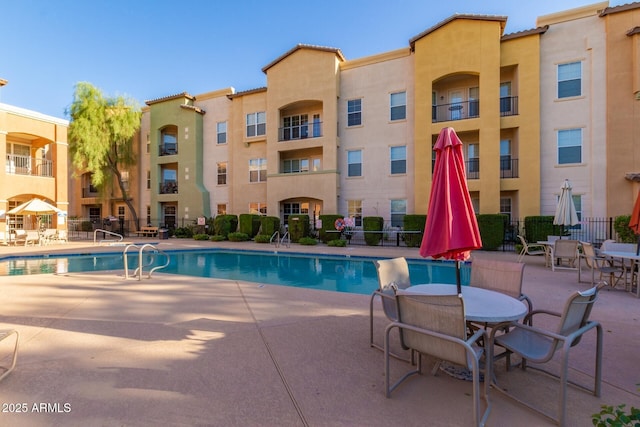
[566, 214]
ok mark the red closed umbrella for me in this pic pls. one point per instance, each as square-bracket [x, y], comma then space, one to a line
[634, 222]
[451, 230]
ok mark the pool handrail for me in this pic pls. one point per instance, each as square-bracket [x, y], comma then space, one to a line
[111, 233]
[138, 271]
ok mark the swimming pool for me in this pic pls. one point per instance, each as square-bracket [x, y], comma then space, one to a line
[323, 272]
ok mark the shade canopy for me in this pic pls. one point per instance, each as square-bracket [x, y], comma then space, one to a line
[566, 211]
[34, 207]
[451, 229]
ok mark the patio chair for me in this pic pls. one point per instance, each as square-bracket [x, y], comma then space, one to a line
[32, 238]
[392, 274]
[4, 334]
[539, 345]
[530, 249]
[564, 251]
[602, 265]
[500, 276]
[435, 325]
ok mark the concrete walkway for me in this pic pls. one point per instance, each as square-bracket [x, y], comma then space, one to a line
[99, 350]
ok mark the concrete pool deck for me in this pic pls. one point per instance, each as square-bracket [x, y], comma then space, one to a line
[99, 350]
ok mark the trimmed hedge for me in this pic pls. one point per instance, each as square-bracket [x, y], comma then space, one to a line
[372, 223]
[298, 227]
[328, 224]
[225, 224]
[249, 224]
[537, 228]
[491, 230]
[269, 225]
[625, 233]
[414, 223]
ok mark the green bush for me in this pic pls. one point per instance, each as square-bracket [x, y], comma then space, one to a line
[491, 230]
[262, 238]
[624, 232]
[308, 241]
[537, 228]
[238, 237]
[328, 230]
[183, 232]
[269, 225]
[369, 224]
[339, 243]
[217, 238]
[86, 226]
[225, 224]
[414, 223]
[249, 224]
[202, 236]
[298, 227]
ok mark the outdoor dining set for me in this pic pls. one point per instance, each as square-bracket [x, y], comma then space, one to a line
[489, 320]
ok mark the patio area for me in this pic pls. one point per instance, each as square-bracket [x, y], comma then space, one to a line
[99, 350]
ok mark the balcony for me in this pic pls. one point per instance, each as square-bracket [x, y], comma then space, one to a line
[89, 191]
[168, 187]
[508, 168]
[508, 106]
[302, 131]
[473, 168]
[168, 149]
[25, 165]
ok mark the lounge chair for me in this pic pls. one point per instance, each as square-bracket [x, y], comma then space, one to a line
[4, 334]
[435, 325]
[602, 265]
[392, 274]
[564, 254]
[539, 345]
[530, 249]
[33, 238]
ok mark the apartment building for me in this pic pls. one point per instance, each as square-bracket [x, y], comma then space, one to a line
[355, 137]
[34, 146]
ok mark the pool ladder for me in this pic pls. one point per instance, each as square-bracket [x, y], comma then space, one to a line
[149, 248]
[276, 240]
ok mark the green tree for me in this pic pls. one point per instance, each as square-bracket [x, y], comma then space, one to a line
[101, 135]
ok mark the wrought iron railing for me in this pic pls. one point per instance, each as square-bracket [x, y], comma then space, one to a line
[25, 165]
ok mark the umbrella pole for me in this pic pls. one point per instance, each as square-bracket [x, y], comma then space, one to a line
[458, 284]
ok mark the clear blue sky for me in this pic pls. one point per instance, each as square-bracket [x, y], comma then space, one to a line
[148, 49]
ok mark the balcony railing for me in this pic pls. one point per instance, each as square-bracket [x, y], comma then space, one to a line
[455, 111]
[25, 165]
[89, 191]
[168, 187]
[509, 106]
[168, 149]
[473, 168]
[303, 131]
[509, 168]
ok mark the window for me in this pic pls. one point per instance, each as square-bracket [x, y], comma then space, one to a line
[505, 98]
[258, 170]
[292, 209]
[399, 106]
[474, 104]
[398, 211]
[148, 180]
[94, 214]
[398, 160]
[258, 208]
[316, 164]
[222, 173]
[221, 209]
[577, 202]
[505, 154]
[317, 126]
[169, 143]
[354, 208]
[221, 129]
[473, 161]
[505, 207]
[170, 215]
[354, 163]
[295, 165]
[124, 176]
[569, 80]
[295, 127]
[354, 112]
[256, 124]
[121, 213]
[148, 143]
[569, 146]
[148, 215]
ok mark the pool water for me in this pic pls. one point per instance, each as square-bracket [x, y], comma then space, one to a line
[331, 273]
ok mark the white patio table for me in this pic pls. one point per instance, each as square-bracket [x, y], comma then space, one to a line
[631, 256]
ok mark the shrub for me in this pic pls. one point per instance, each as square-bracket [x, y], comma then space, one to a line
[328, 225]
[249, 224]
[298, 227]
[308, 241]
[217, 238]
[86, 226]
[539, 227]
[262, 238]
[624, 232]
[491, 230]
[369, 224]
[202, 236]
[238, 237]
[184, 232]
[414, 223]
[225, 224]
[269, 225]
[337, 243]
